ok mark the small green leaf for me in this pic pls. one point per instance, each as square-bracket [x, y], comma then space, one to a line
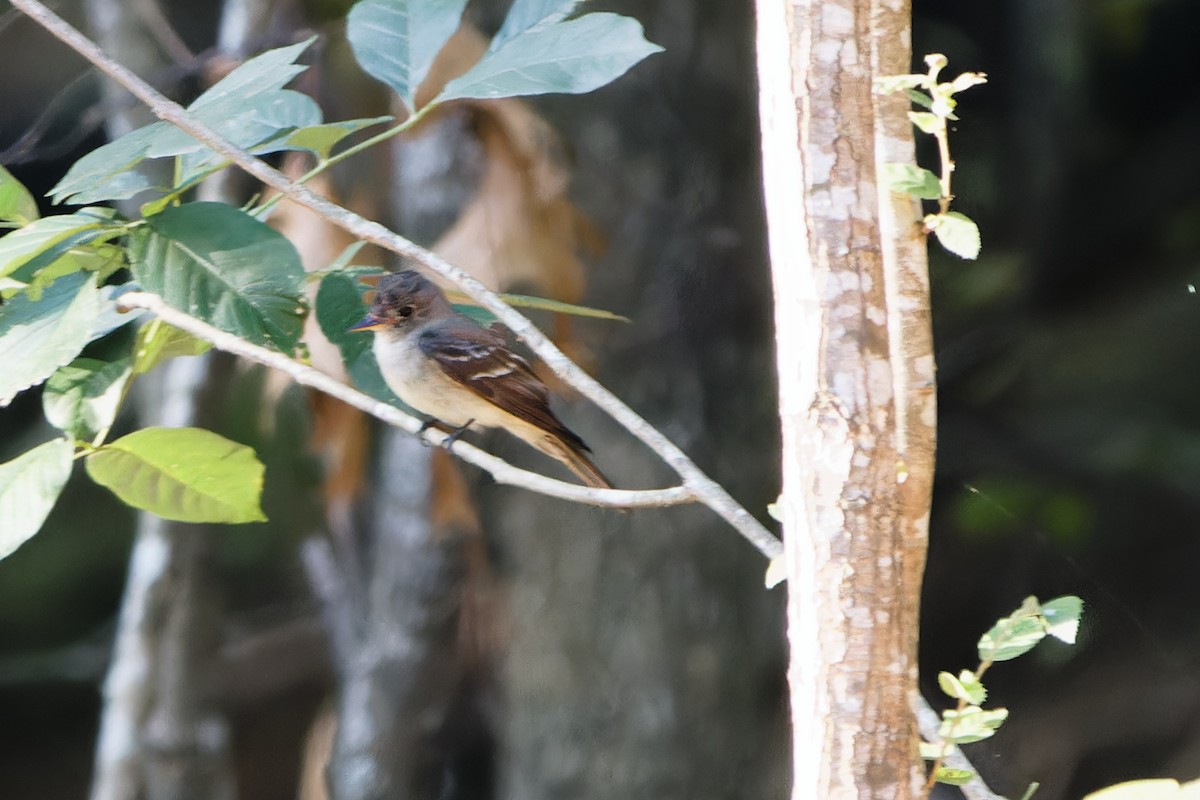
[395, 41]
[966, 81]
[340, 305]
[1062, 617]
[570, 57]
[16, 203]
[920, 98]
[932, 750]
[25, 244]
[926, 121]
[184, 474]
[957, 233]
[157, 342]
[954, 777]
[321, 139]
[218, 263]
[896, 83]
[39, 336]
[972, 724]
[965, 687]
[913, 180]
[29, 486]
[83, 397]
[466, 305]
[1011, 637]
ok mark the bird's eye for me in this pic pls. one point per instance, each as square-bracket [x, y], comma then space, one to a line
[405, 311]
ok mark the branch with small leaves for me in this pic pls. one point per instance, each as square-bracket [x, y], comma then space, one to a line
[956, 231]
[1009, 638]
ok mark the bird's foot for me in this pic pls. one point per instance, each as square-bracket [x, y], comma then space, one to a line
[455, 434]
[452, 433]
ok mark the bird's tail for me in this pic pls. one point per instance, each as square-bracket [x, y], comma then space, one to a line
[570, 450]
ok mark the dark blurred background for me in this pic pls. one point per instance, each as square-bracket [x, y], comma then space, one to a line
[1069, 458]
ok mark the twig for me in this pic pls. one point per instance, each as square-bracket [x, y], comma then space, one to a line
[500, 470]
[696, 484]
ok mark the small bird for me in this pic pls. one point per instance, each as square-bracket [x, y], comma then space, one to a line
[460, 373]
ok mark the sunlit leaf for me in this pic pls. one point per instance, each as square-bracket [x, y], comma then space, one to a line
[1150, 789]
[953, 776]
[185, 474]
[1062, 617]
[220, 264]
[39, 336]
[157, 342]
[29, 486]
[972, 724]
[957, 233]
[321, 139]
[23, 245]
[395, 41]
[82, 398]
[526, 14]
[570, 57]
[912, 180]
[16, 203]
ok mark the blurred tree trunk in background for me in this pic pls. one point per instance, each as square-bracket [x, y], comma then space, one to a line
[856, 390]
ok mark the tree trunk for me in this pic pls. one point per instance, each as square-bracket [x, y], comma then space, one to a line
[856, 390]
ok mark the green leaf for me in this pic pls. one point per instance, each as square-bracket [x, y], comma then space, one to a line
[106, 172]
[83, 397]
[16, 203]
[972, 724]
[931, 750]
[246, 105]
[157, 342]
[1062, 617]
[954, 777]
[920, 98]
[218, 263]
[464, 304]
[184, 474]
[525, 14]
[965, 687]
[966, 81]
[321, 139]
[395, 41]
[1011, 637]
[896, 83]
[42, 236]
[957, 233]
[39, 336]
[913, 180]
[926, 121]
[340, 305]
[29, 486]
[571, 57]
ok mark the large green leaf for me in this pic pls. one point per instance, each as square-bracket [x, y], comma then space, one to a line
[108, 172]
[16, 203]
[340, 305]
[29, 486]
[83, 397]
[247, 106]
[39, 336]
[569, 57]
[395, 41]
[43, 236]
[185, 474]
[218, 263]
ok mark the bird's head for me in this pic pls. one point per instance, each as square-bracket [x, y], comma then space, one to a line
[404, 300]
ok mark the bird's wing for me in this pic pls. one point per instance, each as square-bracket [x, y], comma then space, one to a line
[479, 359]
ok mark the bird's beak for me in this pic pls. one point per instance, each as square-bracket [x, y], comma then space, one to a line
[368, 323]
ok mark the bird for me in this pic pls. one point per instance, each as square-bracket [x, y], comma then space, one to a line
[462, 374]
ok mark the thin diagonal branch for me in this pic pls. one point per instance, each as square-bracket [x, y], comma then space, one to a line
[695, 481]
[501, 470]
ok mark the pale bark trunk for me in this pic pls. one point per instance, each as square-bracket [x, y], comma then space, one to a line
[856, 390]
